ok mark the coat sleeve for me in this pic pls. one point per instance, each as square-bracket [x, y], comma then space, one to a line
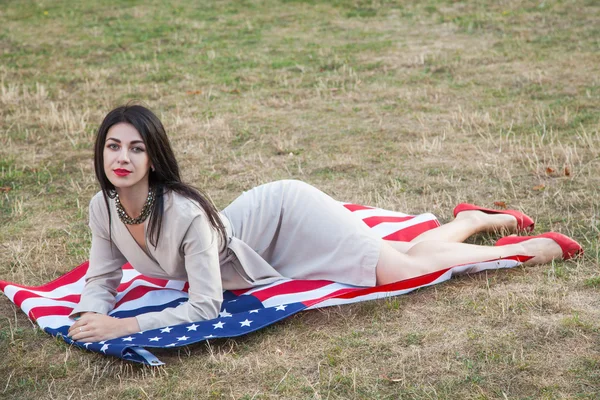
[200, 249]
[104, 271]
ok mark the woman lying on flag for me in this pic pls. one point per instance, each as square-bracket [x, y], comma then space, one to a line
[164, 228]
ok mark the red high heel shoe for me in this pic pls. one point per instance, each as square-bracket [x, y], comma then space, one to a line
[570, 248]
[524, 222]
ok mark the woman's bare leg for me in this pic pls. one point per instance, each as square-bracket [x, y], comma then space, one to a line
[430, 256]
[466, 224]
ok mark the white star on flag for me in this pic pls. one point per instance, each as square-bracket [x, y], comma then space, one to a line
[245, 323]
[102, 342]
[280, 308]
[253, 311]
[155, 339]
[180, 339]
[128, 339]
[209, 336]
[219, 325]
[104, 348]
[86, 345]
[192, 327]
[171, 345]
[168, 329]
[224, 313]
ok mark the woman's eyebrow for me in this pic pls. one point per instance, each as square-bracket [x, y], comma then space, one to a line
[119, 141]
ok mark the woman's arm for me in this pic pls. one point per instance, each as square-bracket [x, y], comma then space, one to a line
[102, 279]
[200, 247]
[98, 298]
[104, 271]
[92, 327]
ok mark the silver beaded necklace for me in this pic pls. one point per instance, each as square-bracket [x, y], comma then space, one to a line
[146, 210]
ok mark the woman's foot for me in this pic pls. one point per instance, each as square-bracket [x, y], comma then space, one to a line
[511, 220]
[489, 222]
[545, 247]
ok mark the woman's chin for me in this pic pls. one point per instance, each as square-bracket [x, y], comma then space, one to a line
[120, 184]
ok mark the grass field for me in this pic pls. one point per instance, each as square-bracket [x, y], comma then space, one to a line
[407, 105]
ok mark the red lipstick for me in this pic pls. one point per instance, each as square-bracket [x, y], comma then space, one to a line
[121, 172]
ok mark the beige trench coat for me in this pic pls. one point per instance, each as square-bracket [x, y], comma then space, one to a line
[281, 229]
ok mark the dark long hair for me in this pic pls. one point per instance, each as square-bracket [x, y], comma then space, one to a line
[165, 174]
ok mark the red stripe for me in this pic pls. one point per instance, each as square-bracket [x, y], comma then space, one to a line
[136, 293]
[350, 293]
[70, 277]
[332, 295]
[405, 284]
[23, 295]
[53, 311]
[409, 233]
[290, 287]
[357, 207]
[239, 292]
[140, 291]
[374, 221]
[156, 281]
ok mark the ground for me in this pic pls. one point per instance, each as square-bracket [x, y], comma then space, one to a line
[406, 105]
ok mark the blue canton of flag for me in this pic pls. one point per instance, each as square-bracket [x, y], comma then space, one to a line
[239, 315]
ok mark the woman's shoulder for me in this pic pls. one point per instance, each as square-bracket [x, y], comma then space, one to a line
[176, 203]
[98, 213]
[97, 203]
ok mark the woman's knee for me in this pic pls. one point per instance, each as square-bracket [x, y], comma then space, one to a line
[393, 265]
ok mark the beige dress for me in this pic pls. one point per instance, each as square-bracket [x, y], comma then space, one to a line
[281, 229]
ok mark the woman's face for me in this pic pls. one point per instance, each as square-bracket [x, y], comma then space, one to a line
[126, 163]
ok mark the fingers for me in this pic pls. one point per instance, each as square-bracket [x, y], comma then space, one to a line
[93, 328]
[76, 326]
[83, 335]
[83, 329]
[79, 332]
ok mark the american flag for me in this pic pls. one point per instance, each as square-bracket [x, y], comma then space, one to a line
[242, 311]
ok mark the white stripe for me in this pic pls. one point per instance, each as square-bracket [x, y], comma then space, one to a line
[29, 304]
[483, 266]
[386, 228]
[472, 268]
[304, 295]
[177, 285]
[378, 212]
[150, 299]
[65, 290]
[54, 321]
[61, 291]
[35, 302]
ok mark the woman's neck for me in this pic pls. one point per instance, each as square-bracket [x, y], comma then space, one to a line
[133, 199]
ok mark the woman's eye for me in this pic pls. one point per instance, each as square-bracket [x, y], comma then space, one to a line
[137, 149]
[113, 146]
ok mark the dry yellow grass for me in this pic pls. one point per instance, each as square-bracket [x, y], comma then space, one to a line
[414, 106]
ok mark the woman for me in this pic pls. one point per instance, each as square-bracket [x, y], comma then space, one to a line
[282, 229]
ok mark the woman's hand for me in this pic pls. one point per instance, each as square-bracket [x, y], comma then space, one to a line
[93, 327]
